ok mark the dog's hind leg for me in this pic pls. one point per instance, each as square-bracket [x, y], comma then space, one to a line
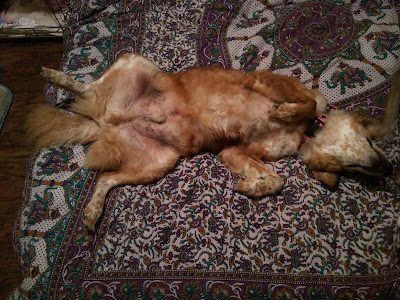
[86, 102]
[152, 167]
[105, 183]
[256, 178]
[67, 82]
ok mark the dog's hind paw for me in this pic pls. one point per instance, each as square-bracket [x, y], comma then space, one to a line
[52, 76]
[47, 74]
[90, 217]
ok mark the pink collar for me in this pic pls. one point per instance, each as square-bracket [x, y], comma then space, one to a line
[317, 124]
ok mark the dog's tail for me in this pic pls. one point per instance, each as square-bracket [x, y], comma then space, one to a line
[47, 125]
[387, 124]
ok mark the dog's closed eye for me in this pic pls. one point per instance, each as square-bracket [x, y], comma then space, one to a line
[369, 142]
[353, 166]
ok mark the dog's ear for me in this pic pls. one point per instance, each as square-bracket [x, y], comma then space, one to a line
[329, 179]
[373, 126]
[378, 127]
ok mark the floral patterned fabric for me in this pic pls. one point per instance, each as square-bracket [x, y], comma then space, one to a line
[190, 236]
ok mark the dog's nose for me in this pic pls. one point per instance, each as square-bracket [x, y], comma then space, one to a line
[388, 170]
[384, 166]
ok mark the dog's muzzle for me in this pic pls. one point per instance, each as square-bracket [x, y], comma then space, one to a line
[381, 167]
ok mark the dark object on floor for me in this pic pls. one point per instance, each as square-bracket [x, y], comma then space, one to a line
[6, 97]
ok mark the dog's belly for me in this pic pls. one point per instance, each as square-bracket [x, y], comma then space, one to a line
[165, 133]
[153, 131]
[149, 120]
[205, 123]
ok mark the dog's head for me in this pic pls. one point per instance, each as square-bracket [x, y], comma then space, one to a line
[343, 144]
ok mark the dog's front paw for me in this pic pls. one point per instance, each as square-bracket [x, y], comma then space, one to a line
[288, 112]
[91, 215]
[259, 186]
[278, 111]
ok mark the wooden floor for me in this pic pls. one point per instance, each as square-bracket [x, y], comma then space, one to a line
[20, 72]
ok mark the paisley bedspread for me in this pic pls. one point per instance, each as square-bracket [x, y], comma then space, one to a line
[190, 236]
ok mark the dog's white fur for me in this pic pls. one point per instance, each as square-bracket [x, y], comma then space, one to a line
[141, 121]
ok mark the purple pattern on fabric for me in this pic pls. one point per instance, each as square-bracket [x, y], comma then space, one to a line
[319, 30]
[211, 49]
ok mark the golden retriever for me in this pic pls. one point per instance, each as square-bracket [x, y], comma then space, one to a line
[140, 121]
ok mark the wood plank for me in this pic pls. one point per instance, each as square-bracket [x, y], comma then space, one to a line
[20, 72]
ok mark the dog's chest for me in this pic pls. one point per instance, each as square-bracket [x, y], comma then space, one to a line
[282, 142]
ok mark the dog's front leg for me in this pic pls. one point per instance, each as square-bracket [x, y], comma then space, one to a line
[256, 178]
[293, 112]
[294, 102]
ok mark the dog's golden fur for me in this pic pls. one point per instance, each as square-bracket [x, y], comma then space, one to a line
[140, 121]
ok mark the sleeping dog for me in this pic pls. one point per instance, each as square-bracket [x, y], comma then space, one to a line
[140, 121]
